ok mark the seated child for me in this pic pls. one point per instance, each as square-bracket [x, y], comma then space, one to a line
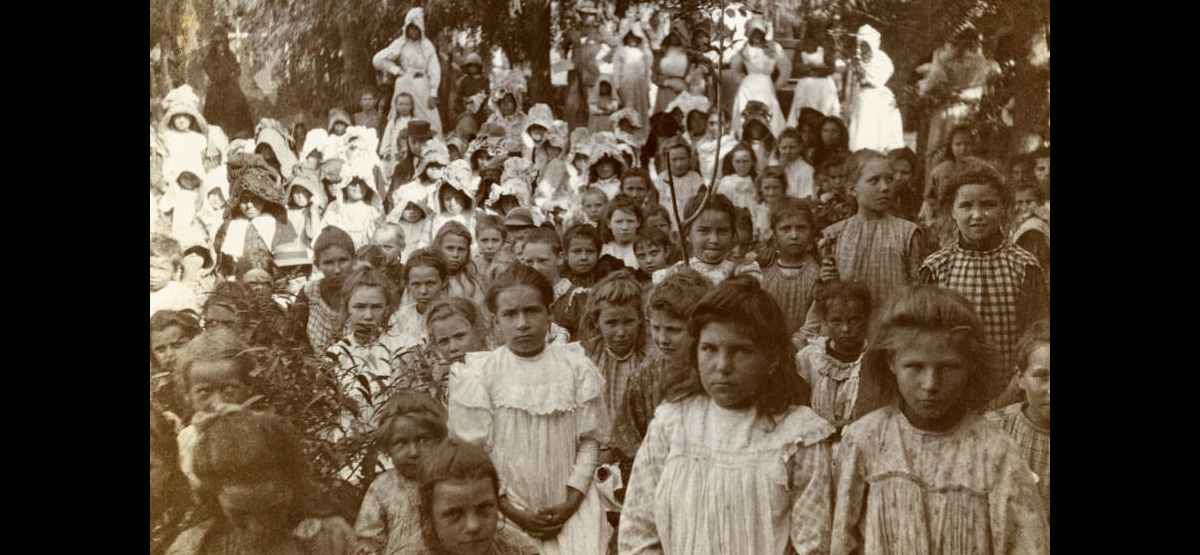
[454, 243]
[1028, 422]
[166, 291]
[411, 425]
[255, 495]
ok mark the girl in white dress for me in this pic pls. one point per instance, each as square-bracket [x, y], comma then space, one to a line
[733, 462]
[759, 59]
[874, 117]
[815, 89]
[413, 60]
[539, 410]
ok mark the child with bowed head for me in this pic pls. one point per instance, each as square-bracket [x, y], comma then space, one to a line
[733, 461]
[460, 505]
[926, 473]
[255, 496]
[539, 410]
[1002, 281]
[712, 237]
[411, 425]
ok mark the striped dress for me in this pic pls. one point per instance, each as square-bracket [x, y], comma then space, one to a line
[884, 253]
[794, 289]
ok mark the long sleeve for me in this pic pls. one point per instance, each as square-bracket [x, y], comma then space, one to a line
[638, 533]
[1018, 519]
[916, 256]
[586, 459]
[1035, 300]
[784, 65]
[384, 59]
[371, 525]
[433, 67]
[812, 509]
[850, 497]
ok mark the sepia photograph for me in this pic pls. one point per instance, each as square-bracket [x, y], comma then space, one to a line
[599, 277]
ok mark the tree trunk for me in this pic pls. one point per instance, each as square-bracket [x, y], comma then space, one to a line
[359, 73]
[537, 24]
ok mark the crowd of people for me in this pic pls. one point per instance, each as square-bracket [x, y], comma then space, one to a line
[649, 319]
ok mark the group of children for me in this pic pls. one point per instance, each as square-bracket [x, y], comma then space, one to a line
[550, 341]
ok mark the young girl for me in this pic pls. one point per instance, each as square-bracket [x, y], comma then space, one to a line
[592, 203]
[258, 222]
[733, 462]
[455, 328]
[605, 168]
[926, 473]
[951, 160]
[622, 218]
[454, 243]
[369, 345]
[454, 202]
[507, 92]
[906, 183]
[636, 184]
[833, 141]
[613, 331]
[1028, 422]
[1001, 280]
[539, 410]
[602, 103]
[184, 134]
[304, 206]
[583, 246]
[707, 156]
[394, 138]
[792, 279]
[255, 497]
[872, 247]
[711, 237]
[411, 425]
[756, 133]
[314, 314]
[170, 331]
[491, 236]
[415, 217]
[789, 153]
[681, 165]
[426, 278]
[654, 252]
[543, 252]
[772, 189]
[460, 505]
[830, 365]
[628, 129]
[739, 172]
[353, 212]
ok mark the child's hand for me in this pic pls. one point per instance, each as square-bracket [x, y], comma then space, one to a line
[528, 521]
[828, 270]
[556, 516]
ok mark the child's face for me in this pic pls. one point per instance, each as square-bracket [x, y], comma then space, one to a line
[620, 325]
[339, 128]
[367, 311]
[453, 205]
[593, 206]
[977, 212]
[1035, 381]
[660, 221]
[626, 127]
[742, 163]
[582, 255]
[165, 343]
[635, 187]
[697, 124]
[404, 106]
[1041, 170]
[522, 319]
[465, 515]
[580, 162]
[391, 243]
[216, 201]
[433, 172]
[681, 161]
[1026, 201]
[669, 333]
[932, 376]
[830, 133]
[605, 170]
[259, 511]
[1019, 172]
[251, 206]
[789, 149]
[772, 189]
[335, 263]
[624, 226]
[541, 257]
[605, 88]
[490, 241]
[456, 250]
[213, 382]
[354, 192]
[732, 366]
[410, 443]
[181, 122]
[711, 236]
[537, 133]
[258, 281]
[847, 321]
[874, 187]
[425, 285]
[651, 257]
[508, 105]
[961, 145]
[454, 338]
[794, 236]
[411, 214]
[901, 173]
[367, 101]
[161, 272]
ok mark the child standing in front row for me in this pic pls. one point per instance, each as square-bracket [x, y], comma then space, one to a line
[711, 237]
[539, 409]
[411, 424]
[1029, 422]
[733, 462]
[927, 473]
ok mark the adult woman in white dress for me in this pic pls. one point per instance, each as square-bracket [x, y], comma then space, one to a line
[413, 60]
[816, 88]
[759, 58]
[874, 117]
[959, 70]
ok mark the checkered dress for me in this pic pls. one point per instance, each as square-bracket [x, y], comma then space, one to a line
[992, 281]
[876, 252]
[1033, 441]
[325, 324]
